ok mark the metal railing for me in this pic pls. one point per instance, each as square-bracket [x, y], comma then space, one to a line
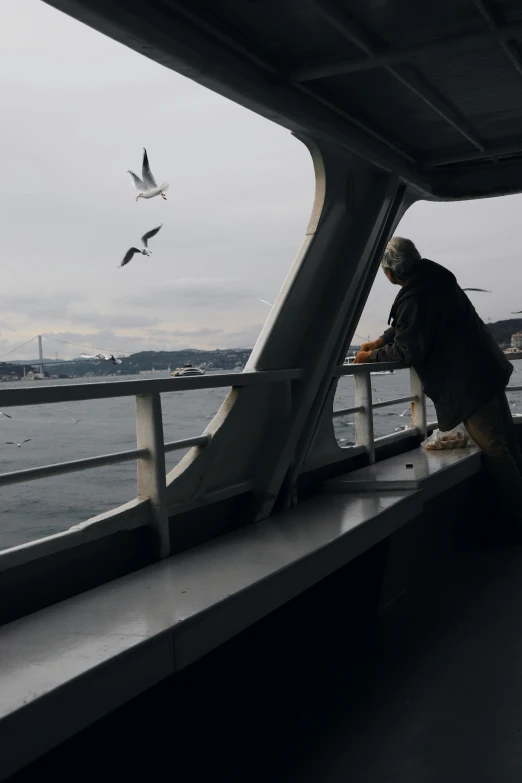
[150, 447]
[364, 407]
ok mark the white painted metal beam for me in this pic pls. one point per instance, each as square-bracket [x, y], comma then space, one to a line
[364, 419]
[357, 369]
[38, 395]
[152, 476]
[60, 468]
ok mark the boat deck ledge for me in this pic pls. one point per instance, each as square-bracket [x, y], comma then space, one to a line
[70, 664]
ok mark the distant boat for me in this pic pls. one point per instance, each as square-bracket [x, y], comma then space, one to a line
[187, 369]
[349, 360]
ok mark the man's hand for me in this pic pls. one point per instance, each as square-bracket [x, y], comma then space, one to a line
[363, 357]
[374, 345]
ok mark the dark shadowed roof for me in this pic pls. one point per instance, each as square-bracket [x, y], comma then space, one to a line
[431, 90]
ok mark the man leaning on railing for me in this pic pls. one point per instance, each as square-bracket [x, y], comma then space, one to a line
[435, 329]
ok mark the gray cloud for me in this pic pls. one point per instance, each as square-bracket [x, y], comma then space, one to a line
[189, 292]
[72, 343]
[115, 320]
[243, 338]
[38, 306]
[204, 332]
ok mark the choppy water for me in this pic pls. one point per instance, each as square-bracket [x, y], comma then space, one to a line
[40, 508]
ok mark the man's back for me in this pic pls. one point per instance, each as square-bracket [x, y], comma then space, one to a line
[438, 331]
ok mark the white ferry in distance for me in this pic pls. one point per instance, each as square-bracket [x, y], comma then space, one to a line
[349, 360]
[187, 369]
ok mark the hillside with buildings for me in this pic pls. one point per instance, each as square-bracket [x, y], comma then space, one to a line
[507, 333]
[145, 362]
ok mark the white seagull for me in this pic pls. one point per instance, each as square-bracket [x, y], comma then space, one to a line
[144, 250]
[402, 415]
[76, 421]
[105, 357]
[147, 184]
[12, 443]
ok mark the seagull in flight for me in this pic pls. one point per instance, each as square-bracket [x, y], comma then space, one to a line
[402, 415]
[76, 421]
[12, 443]
[106, 357]
[144, 250]
[147, 186]
[484, 290]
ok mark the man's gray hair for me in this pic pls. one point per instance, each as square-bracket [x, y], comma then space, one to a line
[400, 256]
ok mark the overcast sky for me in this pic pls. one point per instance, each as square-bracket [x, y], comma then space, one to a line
[77, 109]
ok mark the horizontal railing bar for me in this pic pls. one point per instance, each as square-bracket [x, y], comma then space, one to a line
[96, 391]
[355, 369]
[513, 388]
[346, 411]
[396, 401]
[103, 390]
[186, 443]
[59, 468]
[432, 425]
[74, 392]
[393, 437]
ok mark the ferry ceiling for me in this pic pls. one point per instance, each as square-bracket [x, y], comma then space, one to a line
[428, 91]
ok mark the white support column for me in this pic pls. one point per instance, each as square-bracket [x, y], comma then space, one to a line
[40, 354]
[151, 470]
[364, 419]
[418, 406]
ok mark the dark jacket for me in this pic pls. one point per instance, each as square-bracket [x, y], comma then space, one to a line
[436, 330]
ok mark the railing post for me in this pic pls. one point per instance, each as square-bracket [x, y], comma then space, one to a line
[418, 406]
[152, 479]
[364, 419]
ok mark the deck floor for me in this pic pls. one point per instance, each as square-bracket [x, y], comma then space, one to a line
[431, 694]
[436, 695]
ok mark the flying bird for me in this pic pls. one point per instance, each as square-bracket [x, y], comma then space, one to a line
[6, 415]
[105, 357]
[484, 290]
[12, 443]
[402, 415]
[76, 421]
[131, 252]
[147, 186]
